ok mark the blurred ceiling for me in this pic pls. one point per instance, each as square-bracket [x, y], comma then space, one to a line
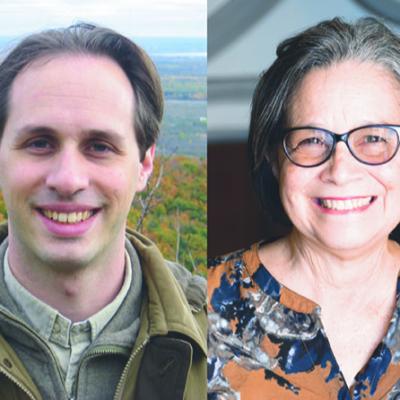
[242, 38]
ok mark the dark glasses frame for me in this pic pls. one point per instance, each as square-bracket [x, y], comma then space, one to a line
[340, 137]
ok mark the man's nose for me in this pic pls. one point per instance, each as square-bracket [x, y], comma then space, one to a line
[68, 173]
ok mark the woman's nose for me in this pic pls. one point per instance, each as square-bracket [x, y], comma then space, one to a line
[342, 167]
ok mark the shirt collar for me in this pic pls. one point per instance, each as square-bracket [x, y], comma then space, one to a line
[52, 325]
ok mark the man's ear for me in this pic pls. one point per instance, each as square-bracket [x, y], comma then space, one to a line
[146, 168]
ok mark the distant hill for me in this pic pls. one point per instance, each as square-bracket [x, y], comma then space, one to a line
[175, 45]
[153, 45]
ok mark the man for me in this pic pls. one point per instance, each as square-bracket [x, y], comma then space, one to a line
[88, 310]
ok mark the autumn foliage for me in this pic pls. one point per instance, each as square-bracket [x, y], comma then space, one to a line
[177, 218]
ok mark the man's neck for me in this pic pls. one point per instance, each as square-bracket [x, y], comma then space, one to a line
[76, 294]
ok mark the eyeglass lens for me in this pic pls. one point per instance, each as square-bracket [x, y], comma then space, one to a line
[312, 146]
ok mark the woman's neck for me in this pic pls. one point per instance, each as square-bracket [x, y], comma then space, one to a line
[317, 273]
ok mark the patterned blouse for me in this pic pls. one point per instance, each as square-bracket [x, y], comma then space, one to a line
[267, 342]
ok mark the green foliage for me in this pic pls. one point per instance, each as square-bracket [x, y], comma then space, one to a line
[184, 128]
[3, 211]
[178, 208]
[185, 88]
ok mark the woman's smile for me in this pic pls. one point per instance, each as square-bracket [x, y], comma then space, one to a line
[344, 205]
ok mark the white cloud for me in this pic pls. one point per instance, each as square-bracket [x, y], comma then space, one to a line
[131, 17]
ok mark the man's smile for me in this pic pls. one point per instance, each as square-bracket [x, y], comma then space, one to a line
[68, 218]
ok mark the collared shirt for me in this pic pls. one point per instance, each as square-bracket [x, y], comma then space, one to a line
[68, 340]
[267, 342]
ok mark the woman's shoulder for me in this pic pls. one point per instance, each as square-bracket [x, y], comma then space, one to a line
[226, 273]
[238, 260]
[243, 263]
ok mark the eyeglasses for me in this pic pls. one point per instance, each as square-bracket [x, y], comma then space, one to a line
[371, 144]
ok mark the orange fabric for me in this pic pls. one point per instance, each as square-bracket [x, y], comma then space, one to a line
[266, 342]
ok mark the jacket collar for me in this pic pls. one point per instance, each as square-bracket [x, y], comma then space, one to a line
[168, 308]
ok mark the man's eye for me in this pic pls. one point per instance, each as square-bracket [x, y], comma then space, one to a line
[99, 148]
[39, 145]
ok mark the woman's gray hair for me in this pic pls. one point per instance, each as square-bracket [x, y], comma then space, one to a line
[329, 42]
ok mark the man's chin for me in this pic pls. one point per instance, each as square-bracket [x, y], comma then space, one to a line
[66, 261]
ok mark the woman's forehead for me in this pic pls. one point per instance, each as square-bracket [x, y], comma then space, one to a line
[345, 95]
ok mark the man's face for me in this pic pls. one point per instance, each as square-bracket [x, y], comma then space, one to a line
[69, 161]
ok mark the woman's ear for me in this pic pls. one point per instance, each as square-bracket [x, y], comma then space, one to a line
[274, 165]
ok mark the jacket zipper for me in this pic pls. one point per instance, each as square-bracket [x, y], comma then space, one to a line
[128, 364]
[34, 335]
[23, 388]
[90, 355]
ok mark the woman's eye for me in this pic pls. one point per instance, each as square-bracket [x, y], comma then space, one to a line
[374, 139]
[311, 141]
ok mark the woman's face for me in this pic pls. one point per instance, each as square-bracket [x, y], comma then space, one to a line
[344, 204]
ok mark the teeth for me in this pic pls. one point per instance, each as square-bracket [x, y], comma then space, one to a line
[68, 218]
[71, 218]
[63, 217]
[345, 204]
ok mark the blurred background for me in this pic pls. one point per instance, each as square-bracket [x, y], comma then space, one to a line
[242, 38]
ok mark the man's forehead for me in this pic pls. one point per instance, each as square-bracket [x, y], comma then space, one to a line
[70, 76]
[81, 93]
[67, 68]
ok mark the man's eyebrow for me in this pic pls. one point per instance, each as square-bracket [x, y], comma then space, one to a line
[101, 134]
[109, 135]
[35, 129]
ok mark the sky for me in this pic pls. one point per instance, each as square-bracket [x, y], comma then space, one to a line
[134, 18]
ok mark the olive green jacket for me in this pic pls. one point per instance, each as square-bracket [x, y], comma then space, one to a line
[168, 360]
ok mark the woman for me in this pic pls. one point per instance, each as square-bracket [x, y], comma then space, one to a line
[314, 315]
